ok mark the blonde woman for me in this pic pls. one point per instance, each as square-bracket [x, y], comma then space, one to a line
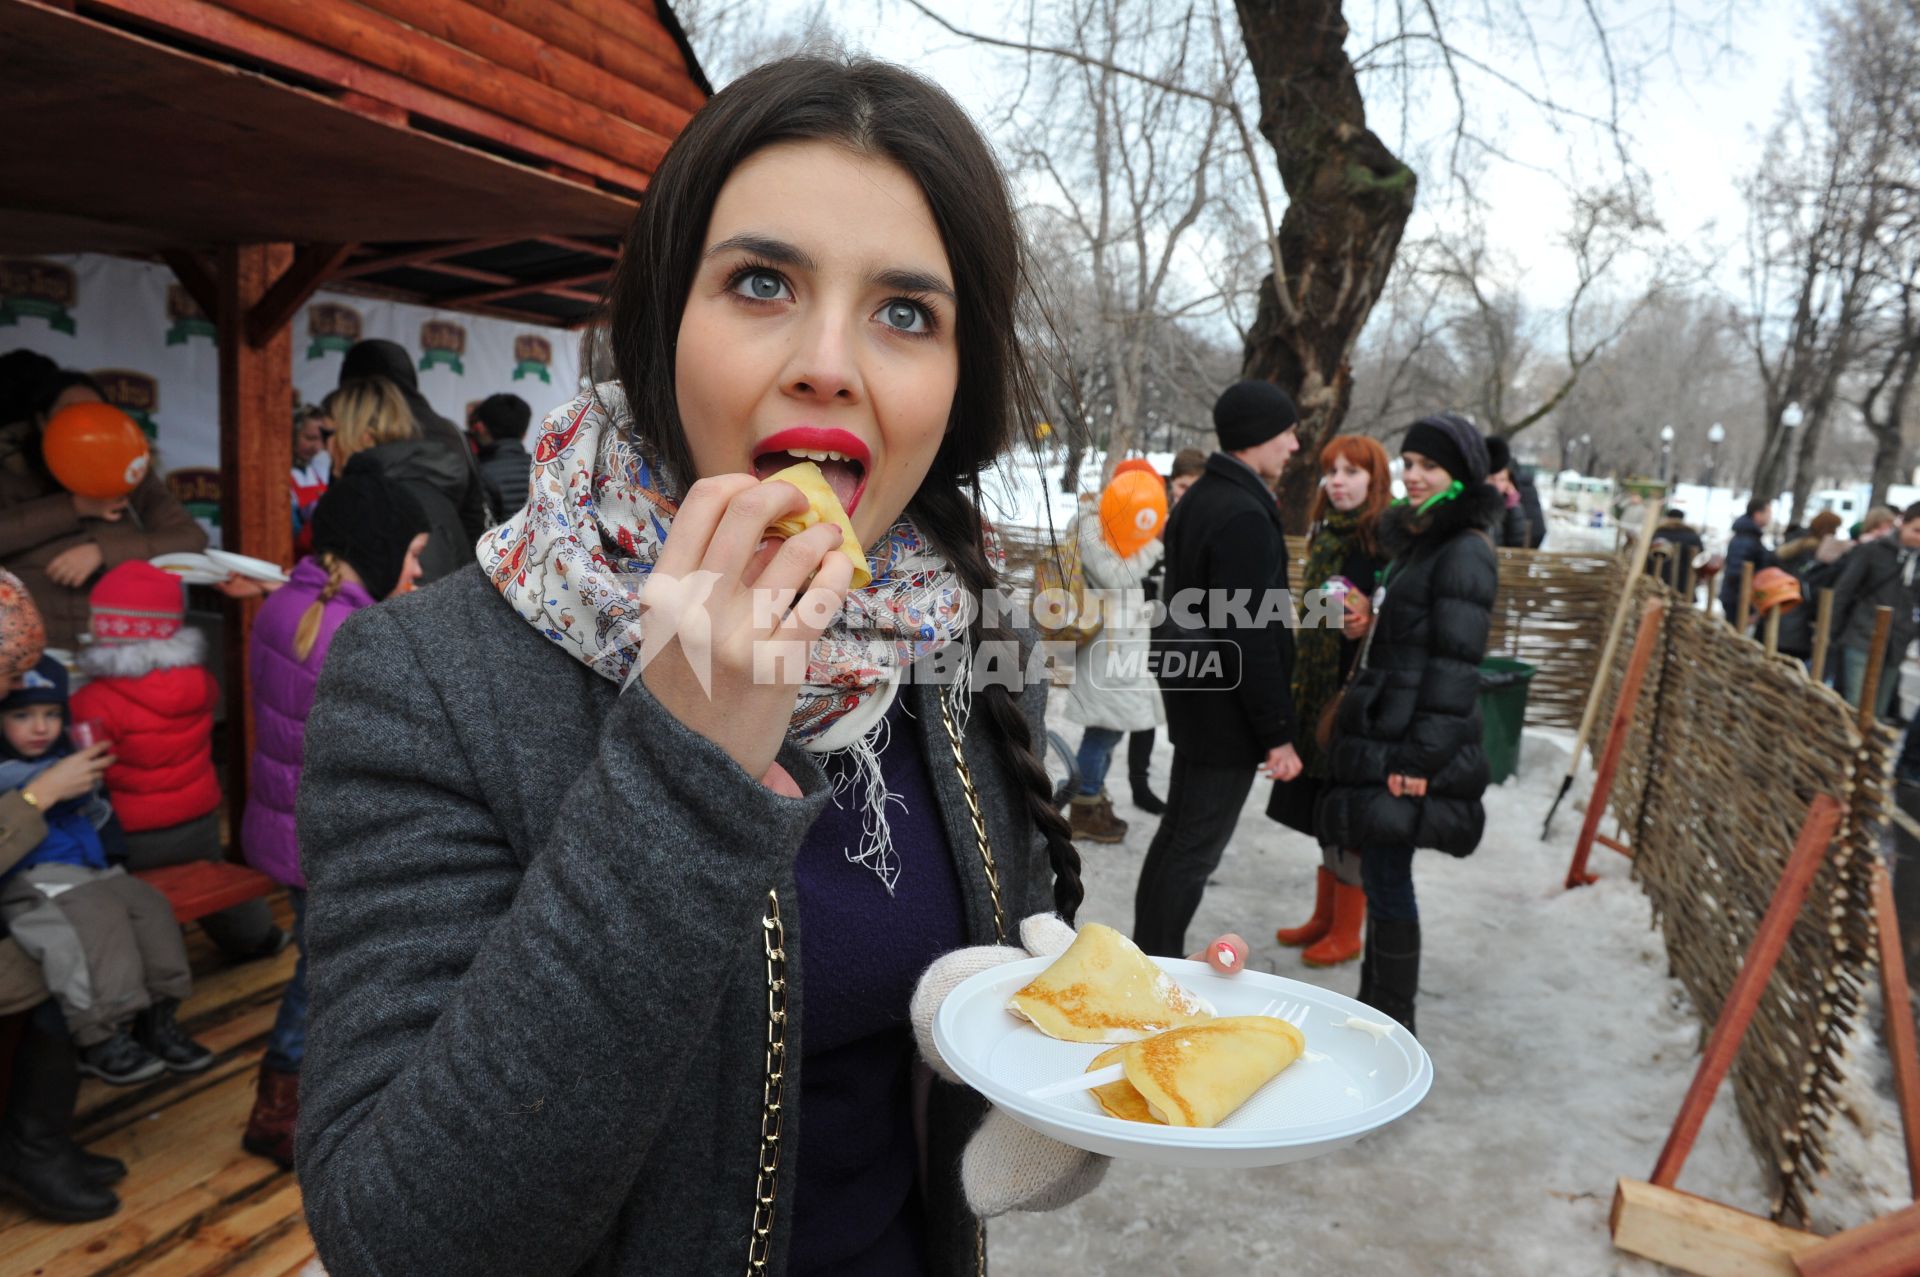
[374, 433]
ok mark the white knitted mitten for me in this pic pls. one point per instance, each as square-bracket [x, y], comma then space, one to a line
[1007, 1166]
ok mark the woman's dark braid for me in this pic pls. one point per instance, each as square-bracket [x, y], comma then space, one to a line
[952, 522]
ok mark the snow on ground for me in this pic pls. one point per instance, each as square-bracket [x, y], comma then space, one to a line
[1561, 1051]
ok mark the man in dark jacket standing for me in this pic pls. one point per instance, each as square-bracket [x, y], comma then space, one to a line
[1746, 547]
[498, 426]
[1675, 550]
[1883, 573]
[1226, 586]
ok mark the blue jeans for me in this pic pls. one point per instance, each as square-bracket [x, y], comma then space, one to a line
[1387, 874]
[287, 1043]
[1096, 754]
[1853, 677]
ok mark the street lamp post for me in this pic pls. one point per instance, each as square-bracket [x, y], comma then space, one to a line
[1586, 446]
[1791, 419]
[1666, 454]
[1716, 435]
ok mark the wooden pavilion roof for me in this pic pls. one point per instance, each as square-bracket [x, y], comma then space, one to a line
[470, 154]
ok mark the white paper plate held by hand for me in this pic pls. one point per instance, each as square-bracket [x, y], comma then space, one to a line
[247, 566]
[1352, 1080]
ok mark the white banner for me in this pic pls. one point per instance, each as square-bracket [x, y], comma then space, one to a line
[133, 327]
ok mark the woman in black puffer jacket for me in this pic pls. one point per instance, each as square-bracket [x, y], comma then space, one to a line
[1407, 766]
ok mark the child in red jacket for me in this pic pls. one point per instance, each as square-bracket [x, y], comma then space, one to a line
[153, 697]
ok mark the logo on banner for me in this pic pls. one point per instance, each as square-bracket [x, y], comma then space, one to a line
[43, 290]
[443, 342]
[332, 327]
[533, 357]
[133, 393]
[197, 489]
[188, 320]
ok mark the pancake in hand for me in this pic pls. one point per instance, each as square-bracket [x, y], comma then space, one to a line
[1198, 1076]
[1104, 989]
[822, 507]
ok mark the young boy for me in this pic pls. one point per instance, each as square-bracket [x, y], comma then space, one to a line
[108, 943]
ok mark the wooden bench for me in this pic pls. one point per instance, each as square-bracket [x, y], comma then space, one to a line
[206, 886]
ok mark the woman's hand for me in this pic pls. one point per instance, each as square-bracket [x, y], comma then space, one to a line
[1406, 786]
[247, 587]
[1282, 763]
[107, 508]
[75, 775]
[1225, 954]
[721, 653]
[71, 568]
[1359, 615]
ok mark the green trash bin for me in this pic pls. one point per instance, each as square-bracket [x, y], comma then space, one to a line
[1503, 712]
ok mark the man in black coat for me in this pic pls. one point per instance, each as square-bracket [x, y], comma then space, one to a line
[1748, 546]
[1675, 550]
[1226, 588]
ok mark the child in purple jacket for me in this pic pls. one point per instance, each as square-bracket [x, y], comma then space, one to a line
[368, 533]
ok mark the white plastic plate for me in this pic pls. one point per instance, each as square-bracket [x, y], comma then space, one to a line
[1349, 1083]
[192, 569]
[247, 566]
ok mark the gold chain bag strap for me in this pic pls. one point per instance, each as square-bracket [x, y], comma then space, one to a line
[993, 889]
[767, 1182]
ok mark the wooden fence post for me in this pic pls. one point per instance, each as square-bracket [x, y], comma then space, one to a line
[1650, 619]
[1876, 667]
[1822, 635]
[1899, 1011]
[1773, 629]
[1816, 834]
[1745, 616]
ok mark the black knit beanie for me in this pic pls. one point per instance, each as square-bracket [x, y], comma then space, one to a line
[1451, 442]
[1248, 413]
[368, 520]
[1499, 455]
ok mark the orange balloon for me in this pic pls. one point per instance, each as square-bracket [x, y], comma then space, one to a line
[1135, 464]
[1132, 509]
[95, 450]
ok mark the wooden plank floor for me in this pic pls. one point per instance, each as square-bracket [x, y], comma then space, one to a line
[194, 1204]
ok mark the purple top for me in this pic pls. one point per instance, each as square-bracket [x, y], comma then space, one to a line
[856, 1210]
[282, 697]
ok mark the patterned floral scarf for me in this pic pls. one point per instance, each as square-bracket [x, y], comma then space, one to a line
[1316, 649]
[573, 562]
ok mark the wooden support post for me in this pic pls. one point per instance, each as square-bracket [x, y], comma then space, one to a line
[1696, 1235]
[292, 290]
[1822, 634]
[1650, 619]
[1614, 844]
[1773, 630]
[1745, 616]
[1887, 1247]
[1876, 667]
[1816, 834]
[1901, 1046]
[256, 407]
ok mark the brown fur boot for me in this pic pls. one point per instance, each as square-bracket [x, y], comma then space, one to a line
[1093, 819]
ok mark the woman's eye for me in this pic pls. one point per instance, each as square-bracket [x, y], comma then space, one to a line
[906, 317]
[761, 285]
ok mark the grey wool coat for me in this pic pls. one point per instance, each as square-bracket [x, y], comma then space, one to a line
[538, 960]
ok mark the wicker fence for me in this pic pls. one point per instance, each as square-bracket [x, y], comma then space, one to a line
[1728, 747]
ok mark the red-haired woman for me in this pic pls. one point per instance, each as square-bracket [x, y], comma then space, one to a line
[1343, 553]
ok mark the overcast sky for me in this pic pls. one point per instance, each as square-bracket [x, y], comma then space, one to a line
[1696, 128]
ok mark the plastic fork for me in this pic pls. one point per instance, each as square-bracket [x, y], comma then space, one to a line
[1294, 1013]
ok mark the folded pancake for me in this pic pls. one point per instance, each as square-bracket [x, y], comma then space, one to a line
[822, 507]
[1121, 1099]
[1197, 1076]
[1103, 989]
